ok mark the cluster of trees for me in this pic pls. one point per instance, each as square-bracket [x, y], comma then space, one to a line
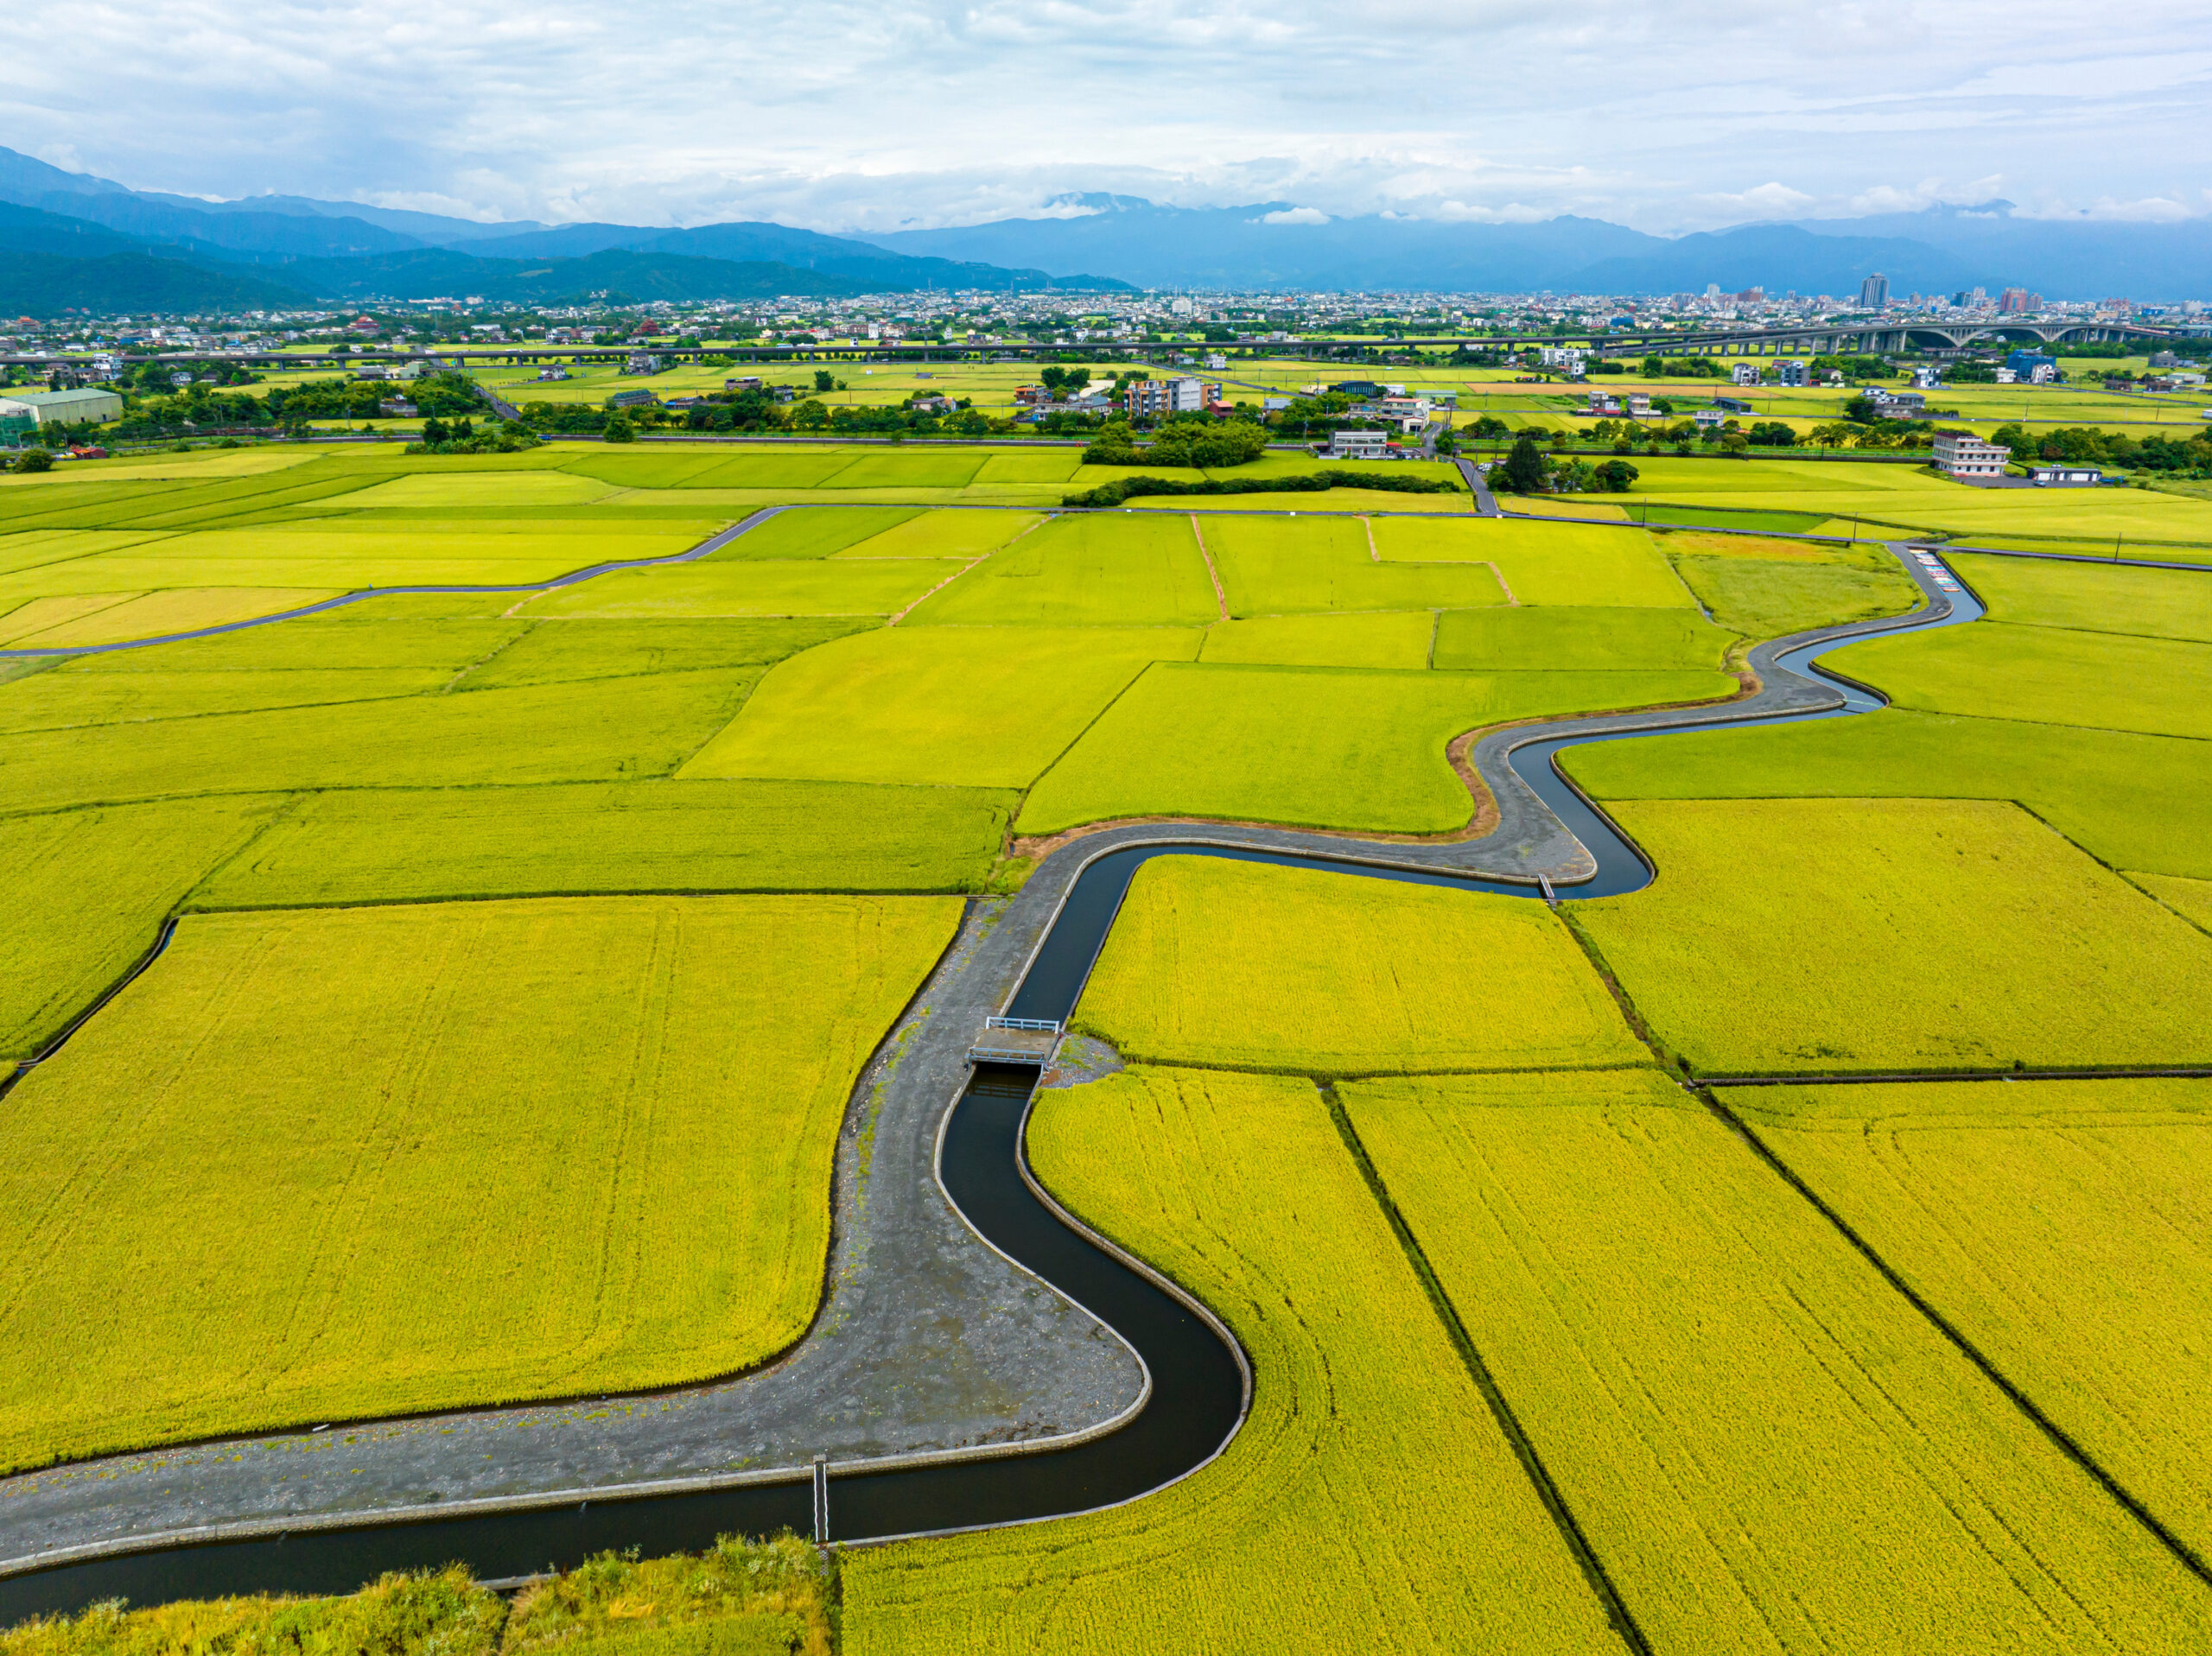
[1121, 489]
[1655, 367]
[202, 404]
[1189, 440]
[2189, 456]
[1528, 470]
[497, 437]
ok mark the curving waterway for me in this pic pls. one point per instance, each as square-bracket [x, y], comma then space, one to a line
[1199, 1386]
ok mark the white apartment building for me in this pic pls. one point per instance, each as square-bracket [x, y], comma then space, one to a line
[1358, 445]
[1962, 455]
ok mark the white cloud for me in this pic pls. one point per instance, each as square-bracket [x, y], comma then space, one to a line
[1294, 216]
[1667, 114]
[1770, 200]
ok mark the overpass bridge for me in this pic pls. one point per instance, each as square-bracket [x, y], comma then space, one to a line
[1867, 336]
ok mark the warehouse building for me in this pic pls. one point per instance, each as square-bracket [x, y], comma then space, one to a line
[61, 408]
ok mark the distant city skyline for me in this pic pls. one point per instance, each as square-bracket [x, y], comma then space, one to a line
[911, 115]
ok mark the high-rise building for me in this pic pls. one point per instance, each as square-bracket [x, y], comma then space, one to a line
[1874, 292]
[2015, 301]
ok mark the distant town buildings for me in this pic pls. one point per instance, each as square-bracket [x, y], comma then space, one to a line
[2018, 302]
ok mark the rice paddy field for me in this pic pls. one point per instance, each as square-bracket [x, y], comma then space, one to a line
[2057, 1224]
[531, 933]
[1314, 747]
[432, 1174]
[1262, 968]
[1771, 1449]
[1362, 1415]
[1894, 934]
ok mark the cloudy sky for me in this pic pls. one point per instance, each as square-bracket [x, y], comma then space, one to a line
[1669, 115]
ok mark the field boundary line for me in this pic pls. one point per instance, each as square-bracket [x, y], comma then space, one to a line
[574, 577]
[1455, 1330]
[499, 649]
[1928, 1077]
[2060, 1438]
[901, 615]
[1220, 597]
[24, 1066]
[1512, 602]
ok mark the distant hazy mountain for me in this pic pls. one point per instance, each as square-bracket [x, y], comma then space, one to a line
[2061, 258]
[1268, 245]
[439, 272]
[45, 284]
[283, 230]
[1781, 258]
[1276, 244]
[871, 266]
[345, 250]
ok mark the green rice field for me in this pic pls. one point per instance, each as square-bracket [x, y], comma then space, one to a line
[1315, 973]
[1692, 1347]
[2056, 1223]
[1359, 1417]
[1950, 934]
[1320, 747]
[433, 1172]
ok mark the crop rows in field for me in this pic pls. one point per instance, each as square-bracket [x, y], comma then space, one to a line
[2060, 1226]
[1218, 961]
[1887, 934]
[1769, 1449]
[318, 1167]
[1369, 1500]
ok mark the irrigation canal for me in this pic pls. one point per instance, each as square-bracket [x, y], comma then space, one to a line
[1199, 1385]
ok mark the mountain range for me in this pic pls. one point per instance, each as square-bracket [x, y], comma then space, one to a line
[74, 240]
[1278, 244]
